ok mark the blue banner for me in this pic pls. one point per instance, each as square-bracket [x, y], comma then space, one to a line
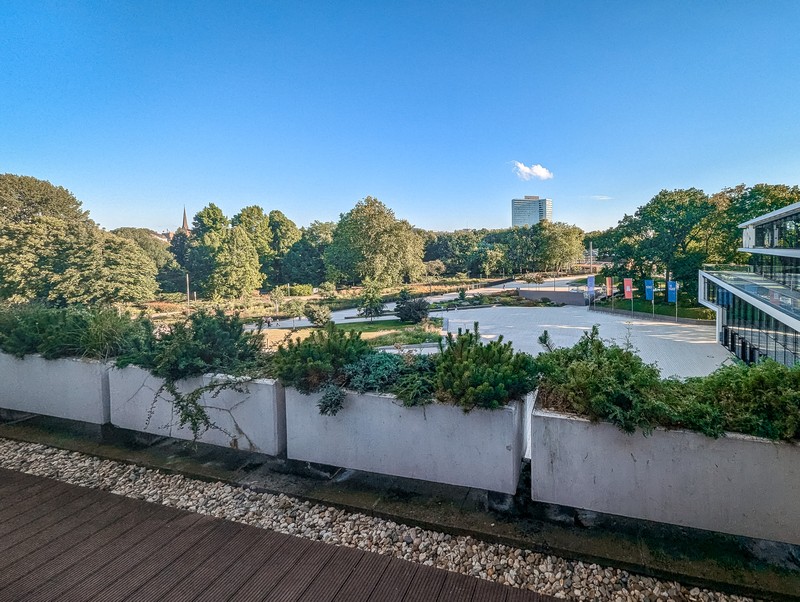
[590, 285]
[672, 291]
[648, 290]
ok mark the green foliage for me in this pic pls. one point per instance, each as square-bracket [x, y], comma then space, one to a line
[462, 294]
[208, 220]
[327, 290]
[304, 260]
[374, 372]
[331, 400]
[50, 260]
[98, 333]
[472, 374]
[24, 198]
[202, 343]
[370, 304]
[318, 315]
[309, 364]
[256, 223]
[606, 382]
[414, 310]
[761, 400]
[370, 244]
[236, 272]
[301, 290]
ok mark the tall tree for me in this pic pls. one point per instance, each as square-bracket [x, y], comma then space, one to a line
[257, 225]
[284, 234]
[236, 271]
[170, 275]
[51, 260]
[23, 198]
[209, 219]
[304, 262]
[369, 243]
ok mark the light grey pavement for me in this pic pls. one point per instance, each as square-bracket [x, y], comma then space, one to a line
[678, 349]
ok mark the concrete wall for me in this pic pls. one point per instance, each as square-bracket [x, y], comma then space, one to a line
[252, 418]
[65, 388]
[736, 484]
[565, 297]
[439, 443]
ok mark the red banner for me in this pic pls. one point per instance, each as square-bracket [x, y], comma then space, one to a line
[609, 286]
[628, 285]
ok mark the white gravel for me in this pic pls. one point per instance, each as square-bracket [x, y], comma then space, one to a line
[503, 564]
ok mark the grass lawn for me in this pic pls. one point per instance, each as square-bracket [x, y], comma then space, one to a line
[379, 333]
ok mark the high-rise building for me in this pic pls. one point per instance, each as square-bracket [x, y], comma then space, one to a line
[758, 306]
[530, 210]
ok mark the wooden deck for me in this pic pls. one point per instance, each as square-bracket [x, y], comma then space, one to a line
[68, 543]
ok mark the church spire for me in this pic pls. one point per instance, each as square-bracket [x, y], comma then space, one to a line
[185, 221]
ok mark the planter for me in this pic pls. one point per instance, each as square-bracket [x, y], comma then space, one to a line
[439, 443]
[735, 484]
[252, 419]
[69, 388]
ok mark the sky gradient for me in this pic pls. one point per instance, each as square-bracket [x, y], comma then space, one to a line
[445, 111]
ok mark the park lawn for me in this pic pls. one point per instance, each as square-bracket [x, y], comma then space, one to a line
[380, 333]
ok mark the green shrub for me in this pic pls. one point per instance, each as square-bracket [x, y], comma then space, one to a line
[761, 400]
[331, 400]
[318, 315]
[606, 382]
[203, 343]
[308, 365]
[301, 290]
[414, 310]
[406, 375]
[74, 331]
[472, 374]
[327, 290]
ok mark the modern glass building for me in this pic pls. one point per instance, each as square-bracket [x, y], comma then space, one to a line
[530, 210]
[758, 306]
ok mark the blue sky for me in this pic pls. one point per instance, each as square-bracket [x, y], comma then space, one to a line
[439, 109]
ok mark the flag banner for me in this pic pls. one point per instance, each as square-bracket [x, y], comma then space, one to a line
[672, 291]
[648, 290]
[590, 285]
[609, 286]
[627, 284]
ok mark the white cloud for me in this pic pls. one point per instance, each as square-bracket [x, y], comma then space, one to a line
[601, 197]
[534, 171]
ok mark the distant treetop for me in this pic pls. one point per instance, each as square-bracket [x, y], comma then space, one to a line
[24, 197]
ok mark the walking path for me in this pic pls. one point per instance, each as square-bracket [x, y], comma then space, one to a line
[64, 542]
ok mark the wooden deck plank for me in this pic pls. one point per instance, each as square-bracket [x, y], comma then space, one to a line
[395, 581]
[171, 573]
[42, 516]
[486, 591]
[331, 578]
[140, 562]
[301, 575]
[96, 543]
[84, 544]
[214, 567]
[263, 552]
[427, 584]
[21, 501]
[269, 575]
[365, 577]
[93, 567]
[53, 537]
[455, 587]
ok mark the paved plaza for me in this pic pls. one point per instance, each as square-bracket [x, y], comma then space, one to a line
[678, 349]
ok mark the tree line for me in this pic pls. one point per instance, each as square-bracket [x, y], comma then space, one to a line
[51, 250]
[678, 231]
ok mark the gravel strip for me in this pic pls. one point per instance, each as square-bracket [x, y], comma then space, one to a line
[552, 575]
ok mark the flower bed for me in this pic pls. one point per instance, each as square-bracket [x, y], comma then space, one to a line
[440, 443]
[64, 388]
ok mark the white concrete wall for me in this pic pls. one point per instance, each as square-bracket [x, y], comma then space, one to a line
[65, 388]
[251, 419]
[736, 484]
[376, 433]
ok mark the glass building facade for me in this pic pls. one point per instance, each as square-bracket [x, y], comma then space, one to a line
[758, 310]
